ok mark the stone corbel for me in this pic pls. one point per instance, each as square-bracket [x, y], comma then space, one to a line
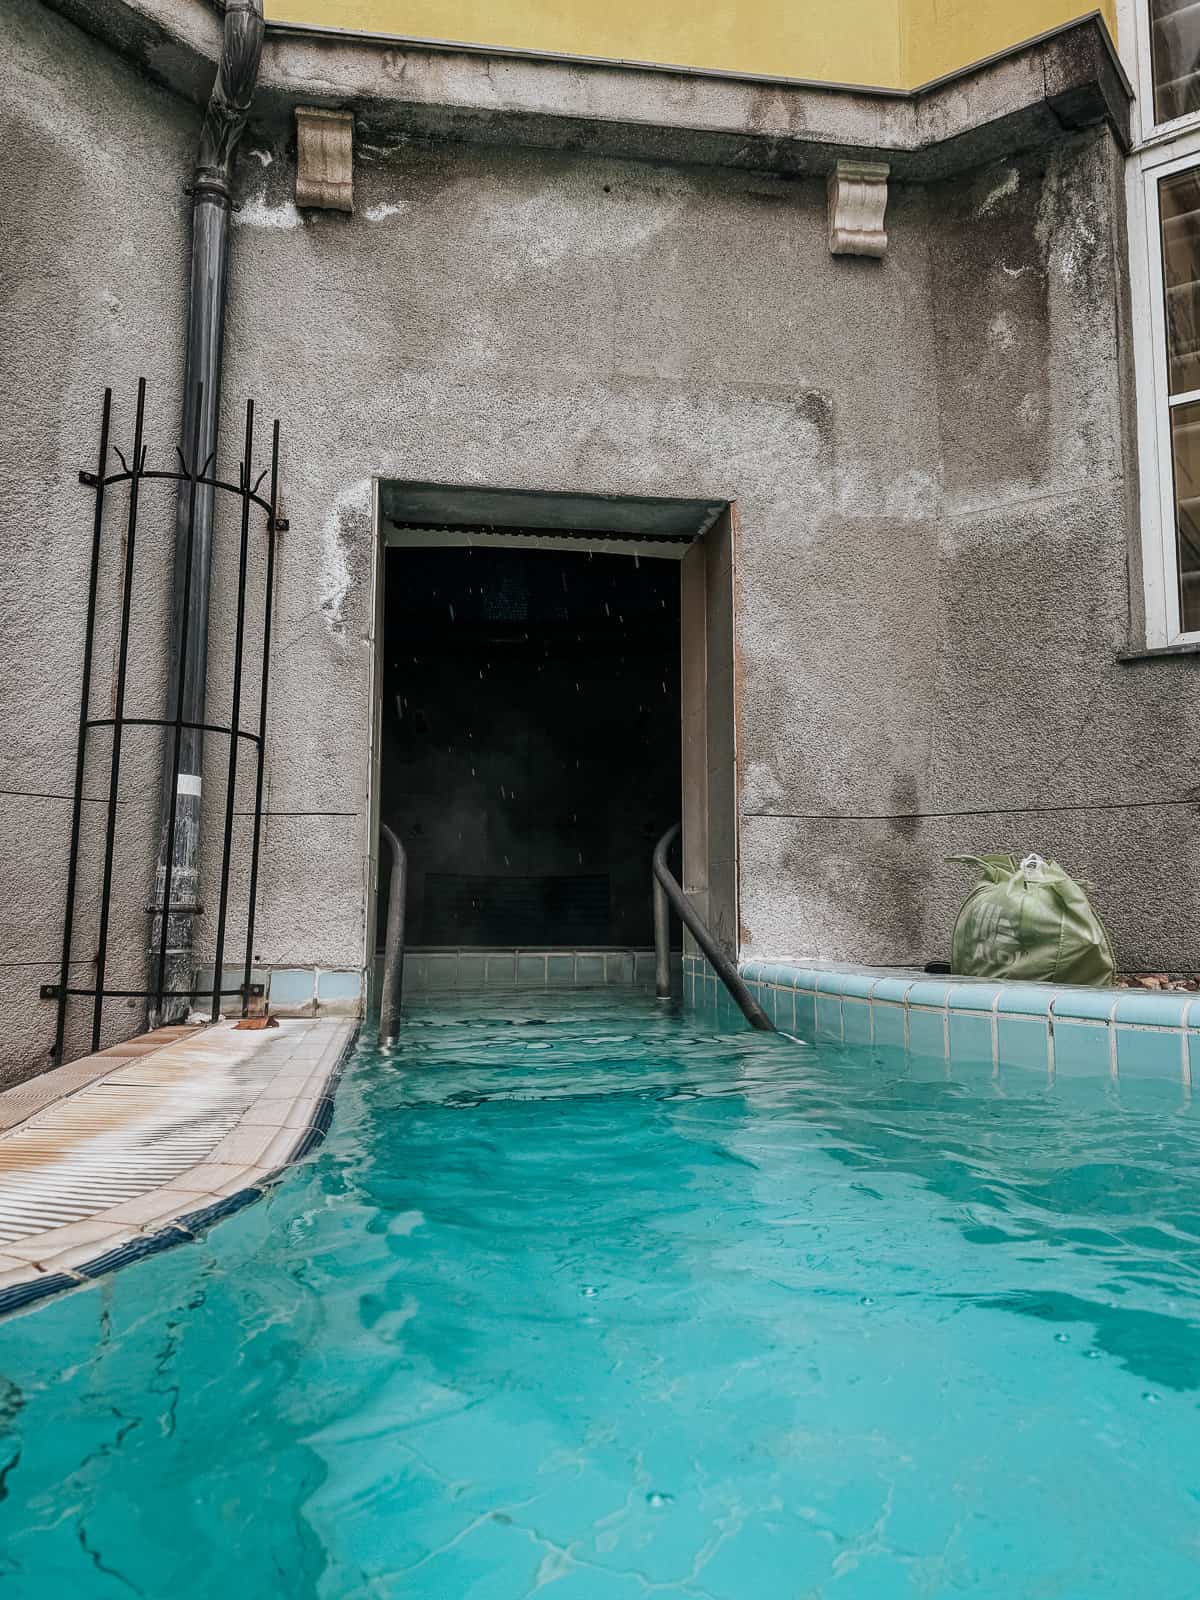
[325, 159]
[858, 193]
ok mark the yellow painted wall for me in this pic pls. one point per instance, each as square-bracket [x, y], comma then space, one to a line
[939, 36]
[895, 44]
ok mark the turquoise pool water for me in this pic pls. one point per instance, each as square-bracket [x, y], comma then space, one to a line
[582, 1300]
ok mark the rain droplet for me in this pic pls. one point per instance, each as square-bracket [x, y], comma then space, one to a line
[658, 1500]
[1062, 1338]
[1150, 1399]
[589, 1291]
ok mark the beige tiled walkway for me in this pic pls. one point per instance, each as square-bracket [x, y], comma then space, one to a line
[120, 1145]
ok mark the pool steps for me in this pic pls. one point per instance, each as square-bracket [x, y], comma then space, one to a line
[1084, 1032]
[144, 1146]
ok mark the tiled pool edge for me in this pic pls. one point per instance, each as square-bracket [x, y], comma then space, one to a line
[189, 1225]
[1084, 1032]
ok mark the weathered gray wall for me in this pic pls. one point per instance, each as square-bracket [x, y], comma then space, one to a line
[92, 242]
[503, 318]
[1020, 729]
[929, 456]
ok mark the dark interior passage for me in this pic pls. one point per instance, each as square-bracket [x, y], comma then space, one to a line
[530, 741]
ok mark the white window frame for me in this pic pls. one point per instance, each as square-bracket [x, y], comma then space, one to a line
[1158, 152]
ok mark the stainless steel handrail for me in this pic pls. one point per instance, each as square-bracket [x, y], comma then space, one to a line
[668, 893]
[393, 948]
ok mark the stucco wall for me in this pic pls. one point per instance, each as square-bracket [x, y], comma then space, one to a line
[1021, 729]
[500, 318]
[928, 461]
[933, 482]
[92, 260]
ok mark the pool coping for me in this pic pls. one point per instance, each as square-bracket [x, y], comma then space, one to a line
[1063, 1029]
[283, 1122]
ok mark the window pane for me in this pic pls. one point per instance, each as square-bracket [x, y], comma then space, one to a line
[1185, 452]
[1175, 53]
[1179, 197]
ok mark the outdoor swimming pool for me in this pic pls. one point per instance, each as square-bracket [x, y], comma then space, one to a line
[580, 1298]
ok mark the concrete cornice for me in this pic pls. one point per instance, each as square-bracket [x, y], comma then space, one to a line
[402, 90]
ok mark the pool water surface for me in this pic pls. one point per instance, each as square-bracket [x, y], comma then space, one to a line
[583, 1299]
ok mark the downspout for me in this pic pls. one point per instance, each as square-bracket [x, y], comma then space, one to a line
[228, 109]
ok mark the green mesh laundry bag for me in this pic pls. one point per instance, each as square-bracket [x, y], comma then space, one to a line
[1027, 921]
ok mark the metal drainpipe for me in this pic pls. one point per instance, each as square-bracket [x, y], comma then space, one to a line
[228, 109]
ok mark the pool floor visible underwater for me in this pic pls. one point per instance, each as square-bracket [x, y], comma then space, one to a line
[580, 1298]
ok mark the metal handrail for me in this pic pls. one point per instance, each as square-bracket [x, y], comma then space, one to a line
[669, 896]
[393, 948]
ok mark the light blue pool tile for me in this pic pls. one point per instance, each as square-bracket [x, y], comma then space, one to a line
[970, 1037]
[442, 971]
[643, 966]
[339, 985]
[829, 1016]
[890, 988]
[753, 971]
[889, 1024]
[805, 978]
[857, 984]
[292, 986]
[1150, 1053]
[1081, 1049]
[1022, 1041]
[618, 967]
[231, 984]
[560, 971]
[501, 972]
[785, 1018]
[829, 983]
[806, 1014]
[531, 970]
[856, 1021]
[1026, 1000]
[926, 992]
[472, 972]
[973, 997]
[927, 1032]
[1094, 1003]
[590, 970]
[1156, 1010]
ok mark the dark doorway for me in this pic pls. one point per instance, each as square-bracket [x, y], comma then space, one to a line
[530, 740]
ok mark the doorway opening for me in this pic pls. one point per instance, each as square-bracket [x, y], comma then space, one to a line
[531, 728]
